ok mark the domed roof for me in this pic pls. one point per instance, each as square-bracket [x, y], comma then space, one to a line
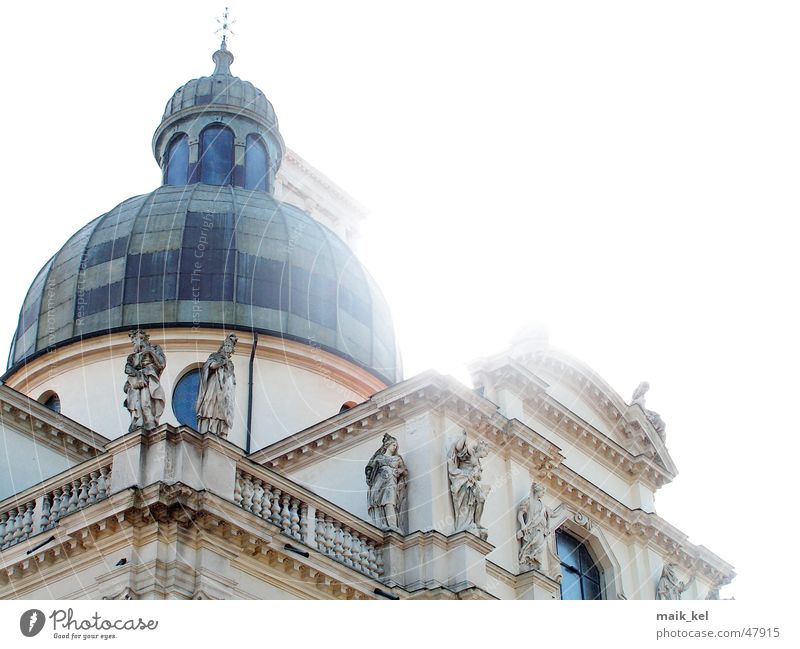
[211, 256]
[222, 89]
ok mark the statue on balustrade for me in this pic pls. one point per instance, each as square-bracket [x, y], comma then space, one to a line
[144, 396]
[215, 397]
[387, 479]
[468, 496]
[653, 417]
[534, 526]
[669, 586]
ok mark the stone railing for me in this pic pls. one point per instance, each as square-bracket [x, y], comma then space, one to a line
[39, 509]
[309, 519]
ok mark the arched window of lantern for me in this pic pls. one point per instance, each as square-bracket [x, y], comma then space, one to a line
[256, 164]
[216, 155]
[176, 167]
[184, 397]
[50, 400]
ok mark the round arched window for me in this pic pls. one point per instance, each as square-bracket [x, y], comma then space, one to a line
[216, 158]
[256, 164]
[51, 400]
[177, 167]
[184, 398]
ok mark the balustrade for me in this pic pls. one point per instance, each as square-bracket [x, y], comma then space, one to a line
[307, 523]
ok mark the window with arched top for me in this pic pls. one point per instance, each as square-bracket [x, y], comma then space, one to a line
[176, 169]
[256, 164]
[51, 400]
[581, 575]
[184, 398]
[216, 155]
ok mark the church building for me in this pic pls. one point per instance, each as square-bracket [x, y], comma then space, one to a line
[204, 399]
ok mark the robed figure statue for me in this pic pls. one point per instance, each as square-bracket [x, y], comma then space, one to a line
[144, 396]
[387, 479]
[669, 586]
[215, 398]
[466, 492]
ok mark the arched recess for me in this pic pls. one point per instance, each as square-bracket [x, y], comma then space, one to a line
[580, 526]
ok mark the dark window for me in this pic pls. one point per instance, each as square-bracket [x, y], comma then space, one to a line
[184, 398]
[53, 402]
[216, 158]
[256, 164]
[177, 167]
[580, 574]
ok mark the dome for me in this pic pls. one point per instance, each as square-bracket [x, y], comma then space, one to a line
[205, 255]
[222, 89]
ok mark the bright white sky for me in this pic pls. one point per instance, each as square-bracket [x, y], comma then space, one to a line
[625, 173]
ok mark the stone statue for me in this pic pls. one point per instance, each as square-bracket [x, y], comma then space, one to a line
[144, 396]
[534, 526]
[466, 492]
[669, 586]
[653, 417]
[387, 478]
[215, 398]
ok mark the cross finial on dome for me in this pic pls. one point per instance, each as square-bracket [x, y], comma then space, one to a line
[225, 27]
[222, 57]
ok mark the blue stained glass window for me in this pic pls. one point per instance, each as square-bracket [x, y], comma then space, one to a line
[178, 161]
[216, 159]
[255, 164]
[184, 397]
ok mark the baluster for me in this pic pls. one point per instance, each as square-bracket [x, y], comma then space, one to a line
[347, 546]
[372, 559]
[294, 518]
[83, 496]
[266, 510]
[275, 516]
[93, 487]
[338, 547]
[258, 497]
[18, 524]
[27, 520]
[247, 493]
[3, 519]
[55, 509]
[44, 523]
[73, 498]
[237, 490]
[10, 518]
[358, 549]
[319, 532]
[286, 520]
[330, 534]
[103, 484]
[379, 562]
[303, 523]
[65, 497]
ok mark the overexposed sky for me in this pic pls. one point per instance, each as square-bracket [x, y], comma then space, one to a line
[625, 173]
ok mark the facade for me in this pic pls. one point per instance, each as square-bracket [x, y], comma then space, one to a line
[204, 399]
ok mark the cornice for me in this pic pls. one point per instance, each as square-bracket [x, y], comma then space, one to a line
[642, 465]
[27, 416]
